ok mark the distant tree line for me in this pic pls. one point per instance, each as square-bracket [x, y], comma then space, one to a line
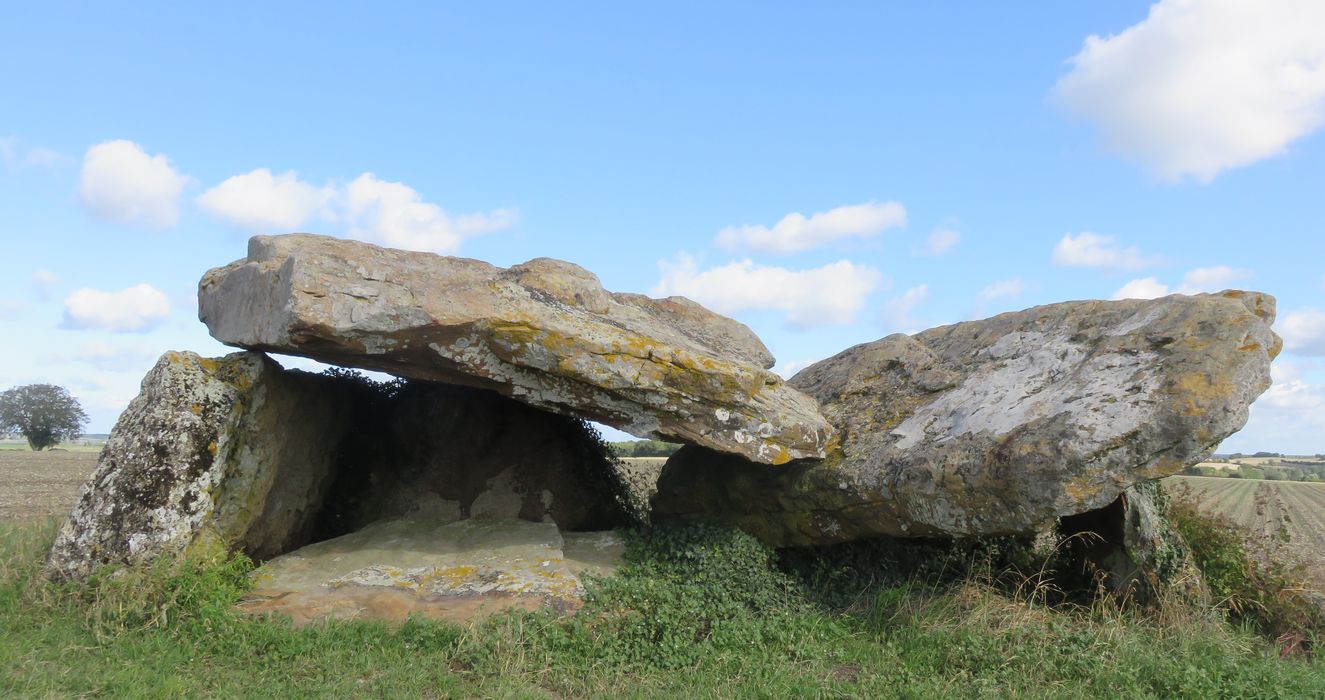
[643, 448]
[1299, 471]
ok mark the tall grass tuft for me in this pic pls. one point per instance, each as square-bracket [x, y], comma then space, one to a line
[1251, 575]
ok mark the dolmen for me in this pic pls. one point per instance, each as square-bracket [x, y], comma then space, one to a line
[478, 484]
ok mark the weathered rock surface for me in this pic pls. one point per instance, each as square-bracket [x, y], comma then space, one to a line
[1133, 549]
[206, 459]
[238, 454]
[544, 332]
[1000, 425]
[429, 566]
[440, 450]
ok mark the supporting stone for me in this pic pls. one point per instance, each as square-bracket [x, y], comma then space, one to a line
[238, 455]
[998, 426]
[207, 458]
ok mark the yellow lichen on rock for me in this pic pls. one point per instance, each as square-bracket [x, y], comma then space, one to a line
[544, 332]
[999, 425]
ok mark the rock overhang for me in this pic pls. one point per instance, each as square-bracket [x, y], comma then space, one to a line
[544, 332]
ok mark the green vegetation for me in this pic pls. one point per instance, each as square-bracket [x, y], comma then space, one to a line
[44, 414]
[1264, 465]
[643, 448]
[698, 611]
[1249, 573]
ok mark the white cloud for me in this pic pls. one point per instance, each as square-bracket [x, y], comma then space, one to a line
[40, 157]
[1145, 288]
[122, 184]
[43, 283]
[108, 392]
[10, 308]
[897, 310]
[1303, 332]
[1095, 250]
[999, 290]
[940, 241]
[1003, 289]
[1289, 417]
[394, 214]
[112, 358]
[1198, 281]
[258, 201]
[369, 209]
[795, 233]
[1202, 86]
[1212, 279]
[788, 369]
[16, 156]
[827, 295]
[1289, 391]
[135, 309]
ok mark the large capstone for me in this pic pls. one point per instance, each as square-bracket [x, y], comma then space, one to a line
[544, 332]
[1001, 425]
[239, 455]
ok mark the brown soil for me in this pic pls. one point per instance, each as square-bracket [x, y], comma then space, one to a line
[41, 484]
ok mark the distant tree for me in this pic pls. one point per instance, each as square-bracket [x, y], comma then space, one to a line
[45, 414]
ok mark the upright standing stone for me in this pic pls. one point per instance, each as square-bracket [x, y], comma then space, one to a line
[207, 459]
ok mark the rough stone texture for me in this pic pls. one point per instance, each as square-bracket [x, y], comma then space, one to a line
[204, 458]
[998, 426]
[237, 454]
[437, 449]
[544, 332]
[1133, 549]
[456, 571]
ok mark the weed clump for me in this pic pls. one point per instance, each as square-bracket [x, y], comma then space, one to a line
[1251, 577]
[681, 594]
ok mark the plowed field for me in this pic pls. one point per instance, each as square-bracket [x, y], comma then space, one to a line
[1272, 508]
[41, 484]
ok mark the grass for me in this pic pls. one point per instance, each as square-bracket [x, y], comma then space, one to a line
[697, 612]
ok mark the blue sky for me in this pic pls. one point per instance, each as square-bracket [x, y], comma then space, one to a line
[963, 160]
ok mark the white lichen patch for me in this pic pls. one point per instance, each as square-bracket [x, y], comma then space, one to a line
[1105, 394]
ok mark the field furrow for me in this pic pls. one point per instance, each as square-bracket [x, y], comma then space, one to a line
[1306, 507]
[1262, 506]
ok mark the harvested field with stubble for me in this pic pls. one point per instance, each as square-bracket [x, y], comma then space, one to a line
[35, 485]
[1292, 512]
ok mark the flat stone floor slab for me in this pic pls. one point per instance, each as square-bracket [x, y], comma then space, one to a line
[448, 570]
